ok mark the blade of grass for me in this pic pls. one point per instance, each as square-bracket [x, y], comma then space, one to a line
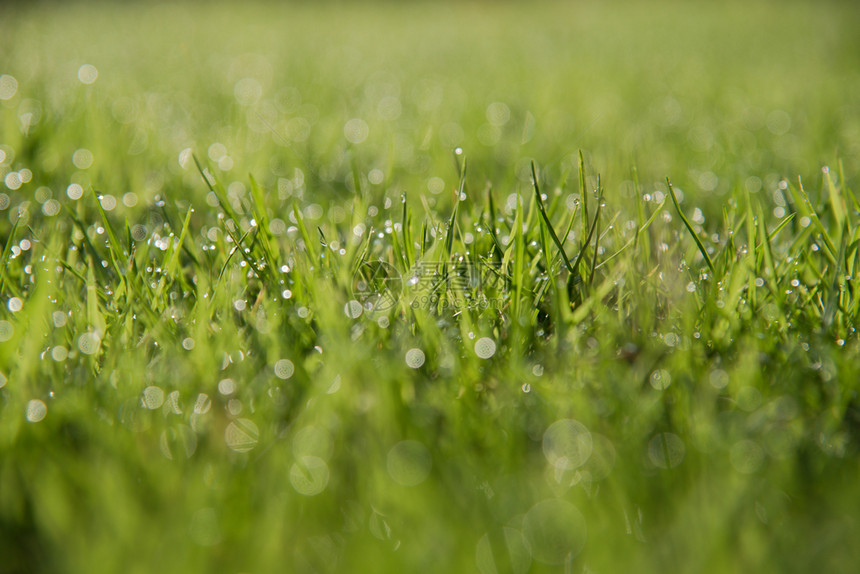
[597, 234]
[837, 203]
[583, 196]
[803, 199]
[836, 285]
[499, 250]
[844, 183]
[587, 241]
[546, 225]
[117, 252]
[780, 226]
[632, 241]
[689, 227]
[310, 249]
[4, 259]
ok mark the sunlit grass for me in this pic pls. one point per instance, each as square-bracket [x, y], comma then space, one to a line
[420, 288]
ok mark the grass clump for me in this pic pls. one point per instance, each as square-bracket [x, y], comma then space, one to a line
[363, 356]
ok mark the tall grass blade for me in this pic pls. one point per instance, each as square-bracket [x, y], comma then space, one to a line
[689, 227]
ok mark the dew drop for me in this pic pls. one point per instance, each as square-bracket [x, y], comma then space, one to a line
[36, 411]
[555, 531]
[226, 387]
[241, 435]
[309, 475]
[153, 397]
[485, 347]
[414, 358]
[666, 450]
[284, 368]
[567, 444]
[409, 463]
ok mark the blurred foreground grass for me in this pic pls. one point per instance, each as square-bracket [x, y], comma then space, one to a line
[197, 374]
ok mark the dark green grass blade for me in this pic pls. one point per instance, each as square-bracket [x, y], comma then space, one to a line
[406, 234]
[583, 196]
[310, 249]
[270, 246]
[117, 252]
[5, 258]
[639, 231]
[546, 221]
[689, 227]
[499, 249]
[803, 199]
[452, 222]
[835, 288]
[847, 189]
[587, 241]
[596, 236]
[780, 226]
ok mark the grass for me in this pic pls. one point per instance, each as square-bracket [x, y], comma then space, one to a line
[257, 319]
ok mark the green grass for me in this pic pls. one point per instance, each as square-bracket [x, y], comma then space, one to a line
[214, 357]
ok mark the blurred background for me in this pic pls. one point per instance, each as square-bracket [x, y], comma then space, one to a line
[123, 472]
[713, 94]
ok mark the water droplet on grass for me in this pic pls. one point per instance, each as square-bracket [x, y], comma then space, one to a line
[8, 87]
[567, 444]
[309, 476]
[226, 387]
[718, 378]
[36, 411]
[415, 358]
[241, 435]
[313, 441]
[409, 463]
[89, 343]
[485, 347]
[602, 459]
[284, 369]
[82, 158]
[666, 450]
[661, 379]
[88, 74]
[379, 527]
[356, 130]
[6, 331]
[555, 531]
[746, 456]
[178, 442]
[203, 404]
[353, 309]
[748, 398]
[153, 397]
[13, 180]
[74, 191]
[516, 554]
[234, 407]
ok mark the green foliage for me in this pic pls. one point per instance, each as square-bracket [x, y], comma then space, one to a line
[254, 320]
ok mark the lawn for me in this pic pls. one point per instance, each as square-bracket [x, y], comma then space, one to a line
[487, 287]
